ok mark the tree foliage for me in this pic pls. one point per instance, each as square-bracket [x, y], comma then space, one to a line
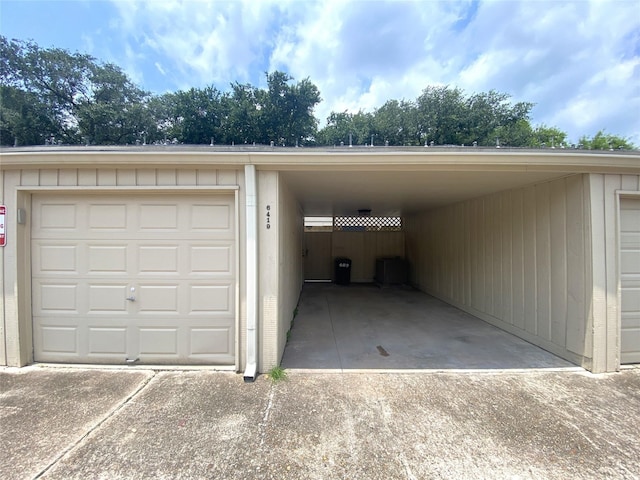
[55, 96]
[605, 141]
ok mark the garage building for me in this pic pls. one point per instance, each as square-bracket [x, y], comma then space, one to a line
[197, 255]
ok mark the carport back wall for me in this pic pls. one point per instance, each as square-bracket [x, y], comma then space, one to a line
[518, 259]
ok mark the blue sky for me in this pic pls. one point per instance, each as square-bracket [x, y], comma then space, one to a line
[577, 60]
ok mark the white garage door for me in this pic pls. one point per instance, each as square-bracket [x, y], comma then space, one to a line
[146, 278]
[630, 279]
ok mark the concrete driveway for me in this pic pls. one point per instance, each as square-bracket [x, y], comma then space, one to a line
[63, 423]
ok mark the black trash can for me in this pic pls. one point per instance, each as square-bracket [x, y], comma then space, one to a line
[342, 271]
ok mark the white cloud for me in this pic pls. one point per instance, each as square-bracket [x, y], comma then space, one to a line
[577, 60]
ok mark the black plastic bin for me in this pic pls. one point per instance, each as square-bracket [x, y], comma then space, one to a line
[342, 271]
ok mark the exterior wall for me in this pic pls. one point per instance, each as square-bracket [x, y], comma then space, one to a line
[280, 265]
[363, 248]
[290, 264]
[17, 186]
[518, 259]
[604, 309]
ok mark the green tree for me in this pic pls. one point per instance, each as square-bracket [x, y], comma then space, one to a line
[287, 110]
[544, 136]
[605, 141]
[23, 118]
[86, 101]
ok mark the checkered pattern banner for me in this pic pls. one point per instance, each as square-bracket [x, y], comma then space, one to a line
[367, 224]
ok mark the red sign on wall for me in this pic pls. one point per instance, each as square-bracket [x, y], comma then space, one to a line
[3, 236]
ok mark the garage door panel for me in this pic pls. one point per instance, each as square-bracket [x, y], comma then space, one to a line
[211, 299]
[58, 339]
[56, 258]
[630, 261]
[56, 216]
[108, 298]
[630, 280]
[158, 341]
[215, 218]
[56, 298]
[107, 258]
[111, 217]
[177, 252]
[210, 341]
[158, 217]
[158, 298]
[111, 341]
[215, 259]
[158, 258]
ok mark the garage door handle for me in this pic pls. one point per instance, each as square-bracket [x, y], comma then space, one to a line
[132, 298]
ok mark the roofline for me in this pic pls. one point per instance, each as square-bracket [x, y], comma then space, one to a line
[339, 158]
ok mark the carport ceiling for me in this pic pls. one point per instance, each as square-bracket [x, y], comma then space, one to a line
[398, 193]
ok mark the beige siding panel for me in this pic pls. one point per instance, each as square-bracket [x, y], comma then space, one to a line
[630, 280]
[517, 259]
[496, 256]
[612, 183]
[207, 177]
[543, 256]
[48, 177]
[507, 258]
[107, 177]
[68, 177]
[126, 177]
[87, 177]
[558, 262]
[30, 178]
[268, 269]
[599, 272]
[167, 176]
[530, 261]
[575, 257]
[512, 249]
[146, 177]
[290, 263]
[187, 178]
[227, 177]
[630, 182]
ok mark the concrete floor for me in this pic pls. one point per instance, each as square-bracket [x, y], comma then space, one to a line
[359, 327]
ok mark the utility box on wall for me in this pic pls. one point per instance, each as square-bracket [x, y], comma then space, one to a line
[391, 271]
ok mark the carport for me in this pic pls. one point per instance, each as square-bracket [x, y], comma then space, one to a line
[362, 326]
[524, 241]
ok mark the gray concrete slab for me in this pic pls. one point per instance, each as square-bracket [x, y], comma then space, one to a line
[202, 424]
[360, 327]
[44, 412]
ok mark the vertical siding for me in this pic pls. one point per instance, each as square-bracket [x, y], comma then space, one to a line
[604, 308]
[290, 263]
[516, 259]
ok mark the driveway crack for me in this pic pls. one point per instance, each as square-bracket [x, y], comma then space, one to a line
[114, 411]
